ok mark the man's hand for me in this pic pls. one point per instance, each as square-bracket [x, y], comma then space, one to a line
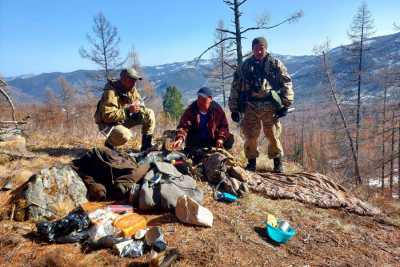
[235, 116]
[134, 108]
[219, 143]
[282, 112]
[177, 143]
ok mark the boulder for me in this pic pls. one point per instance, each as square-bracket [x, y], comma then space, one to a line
[53, 192]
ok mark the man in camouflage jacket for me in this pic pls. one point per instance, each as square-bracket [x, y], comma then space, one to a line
[120, 108]
[262, 90]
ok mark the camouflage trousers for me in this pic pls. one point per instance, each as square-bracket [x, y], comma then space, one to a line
[120, 134]
[256, 114]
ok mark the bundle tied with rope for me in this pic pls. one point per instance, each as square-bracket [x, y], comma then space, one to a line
[221, 169]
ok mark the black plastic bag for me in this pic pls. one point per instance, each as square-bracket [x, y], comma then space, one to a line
[72, 228]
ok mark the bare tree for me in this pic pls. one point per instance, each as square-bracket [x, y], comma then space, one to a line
[67, 97]
[361, 29]
[133, 61]
[238, 33]
[383, 137]
[332, 87]
[388, 80]
[396, 26]
[4, 92]
[221, 72]
[104, 43]
[392, 158]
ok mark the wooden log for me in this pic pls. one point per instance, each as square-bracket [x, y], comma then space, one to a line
[311, 188]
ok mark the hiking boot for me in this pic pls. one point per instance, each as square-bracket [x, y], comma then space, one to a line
[146, 142]
[251, 165]
[278, 167]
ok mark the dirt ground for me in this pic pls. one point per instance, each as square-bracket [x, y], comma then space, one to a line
[324, 237]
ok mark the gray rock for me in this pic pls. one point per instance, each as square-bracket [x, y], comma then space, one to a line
[54, 192]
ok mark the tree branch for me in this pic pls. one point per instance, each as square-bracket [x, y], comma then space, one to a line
[211, 47]
[230, 65]
[229, 3]
[396, 27]
[242, 2]
[227, 31]
[296, 16]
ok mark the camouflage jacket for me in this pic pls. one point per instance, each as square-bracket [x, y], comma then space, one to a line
[112, 107]
[273, 77]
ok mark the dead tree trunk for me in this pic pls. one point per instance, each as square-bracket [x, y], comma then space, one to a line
[392, 158]
[346, 128]
[383, 139]
[359, 77]
[8, 98]
[238, 33]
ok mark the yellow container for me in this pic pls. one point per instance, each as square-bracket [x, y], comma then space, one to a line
[130, 223]
[271, 220]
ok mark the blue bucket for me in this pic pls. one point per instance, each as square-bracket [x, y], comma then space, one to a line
[279, 236]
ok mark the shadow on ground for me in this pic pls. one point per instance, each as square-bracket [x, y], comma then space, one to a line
[61, 151]
[263, 235]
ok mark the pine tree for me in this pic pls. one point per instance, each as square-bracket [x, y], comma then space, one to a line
[172, 102]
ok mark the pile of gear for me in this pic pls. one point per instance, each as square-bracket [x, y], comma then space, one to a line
[116, 227]
[158, 179]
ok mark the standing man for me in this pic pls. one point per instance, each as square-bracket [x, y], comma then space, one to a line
[204, 124]
[120, 109]
[261, 89]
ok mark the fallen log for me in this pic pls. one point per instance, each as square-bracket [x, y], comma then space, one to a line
[311, 188]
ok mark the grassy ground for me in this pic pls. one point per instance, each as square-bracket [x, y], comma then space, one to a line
[324, 237]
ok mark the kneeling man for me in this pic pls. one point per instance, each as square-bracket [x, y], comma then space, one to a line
[204, 124]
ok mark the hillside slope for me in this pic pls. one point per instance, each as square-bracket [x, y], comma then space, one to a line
[325, 237]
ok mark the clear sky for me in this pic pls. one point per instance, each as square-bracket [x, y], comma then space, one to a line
[45, 35]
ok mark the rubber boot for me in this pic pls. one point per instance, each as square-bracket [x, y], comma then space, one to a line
[146, 142]
[251, 165]
[278, 167]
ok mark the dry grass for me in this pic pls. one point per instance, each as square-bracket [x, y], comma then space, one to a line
[236, 239]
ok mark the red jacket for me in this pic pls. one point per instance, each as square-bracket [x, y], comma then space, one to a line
[217, 123]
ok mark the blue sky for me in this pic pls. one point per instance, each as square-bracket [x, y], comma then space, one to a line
[45, 36]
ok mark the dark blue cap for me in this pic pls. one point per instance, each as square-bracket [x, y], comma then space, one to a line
[205, 91]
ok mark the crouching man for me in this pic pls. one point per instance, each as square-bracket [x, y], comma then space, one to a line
[120, 109]
[203, 124]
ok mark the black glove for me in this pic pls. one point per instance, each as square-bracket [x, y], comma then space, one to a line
[282, 112]
[235, 116]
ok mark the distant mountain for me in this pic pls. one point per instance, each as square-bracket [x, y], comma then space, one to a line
[383, 51]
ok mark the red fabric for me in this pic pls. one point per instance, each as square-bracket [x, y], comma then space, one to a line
[217, 124]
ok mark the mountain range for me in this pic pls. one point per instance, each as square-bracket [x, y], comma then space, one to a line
[382, 52]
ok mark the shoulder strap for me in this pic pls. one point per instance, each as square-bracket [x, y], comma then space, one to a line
[272, 71]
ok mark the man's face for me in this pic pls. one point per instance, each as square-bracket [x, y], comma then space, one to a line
[128, 82]
[204, 102]
[259, 51]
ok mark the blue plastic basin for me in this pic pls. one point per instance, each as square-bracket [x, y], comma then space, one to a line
[278, 235]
